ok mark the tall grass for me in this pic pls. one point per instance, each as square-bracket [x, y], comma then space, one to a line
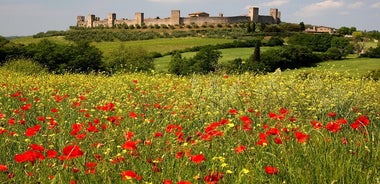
[140, 128]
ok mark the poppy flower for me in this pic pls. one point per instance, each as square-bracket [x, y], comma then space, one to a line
[26, 107]
[51, 153]
[70, 152]
[360, 121]
[333, 127]
[199, 158]
[3, 168]
[213, 177]
[29, 155]
[331, 114]
[301, 137]
[32, 130]
[271, 170]
[240, 149]
[233, 111]
[129, 145]
[129, 174]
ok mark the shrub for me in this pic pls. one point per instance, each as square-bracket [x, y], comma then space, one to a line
[24, 66]
[205, 61]
[332, 53]
[275, 41]
[130, 60]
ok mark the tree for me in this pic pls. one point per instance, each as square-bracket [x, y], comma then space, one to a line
[178, 65]
[206, 60]
[343, 45]
[130, 60]
[256, 53]
[85, 58]
[302, 26]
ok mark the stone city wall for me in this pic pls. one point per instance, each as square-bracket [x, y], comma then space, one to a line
[176, 19]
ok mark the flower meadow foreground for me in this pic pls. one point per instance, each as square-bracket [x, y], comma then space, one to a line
[137, 128]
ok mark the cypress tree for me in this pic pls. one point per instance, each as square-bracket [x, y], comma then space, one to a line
[256, 53]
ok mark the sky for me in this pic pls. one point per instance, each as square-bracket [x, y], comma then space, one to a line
[28, 17]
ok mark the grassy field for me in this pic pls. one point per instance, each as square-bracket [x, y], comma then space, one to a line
[310, 125]
[159, 128]
[29, 39]
[161, 64]
[353, 67]
[162, 45]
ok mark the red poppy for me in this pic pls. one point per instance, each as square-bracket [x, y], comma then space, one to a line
[199, 158]
[271, 170]
[278, 140]
[273, 131]
[333, 127]
[3, 168]
[360, 121]
[26, 107]
[166, 181]
[129, 174]
[240, 149]
[133, 115]
[71, 151]
[331, 114]
[263, 140]
[316, 124]
[32, 130]
[213, 177]
[301, 137]
[233, 111]
[51, 153]
[129, 145]
[29, 155]
[37, 147]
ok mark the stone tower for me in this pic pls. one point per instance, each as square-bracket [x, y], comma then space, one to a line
[111, 19]
[254, 14]
[175, 17]
[90, 20]
[275, 14]
[139, 18]
[80, 21]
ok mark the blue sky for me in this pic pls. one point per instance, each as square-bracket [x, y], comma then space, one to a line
[28, 17]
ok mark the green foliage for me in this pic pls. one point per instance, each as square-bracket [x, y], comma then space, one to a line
[372, 52]
[346, 30]
[343, 45]
[288, 57]
[332, 53]
[84, 58]
[128, 59]
[275, 41]
[24, 66]
[205, 61]
[315, 42]
[78, 57]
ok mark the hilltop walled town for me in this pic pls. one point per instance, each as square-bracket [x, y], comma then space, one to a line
[199, 18]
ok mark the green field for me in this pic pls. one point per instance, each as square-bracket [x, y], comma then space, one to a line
[161, 64]
[162, 45]
[354, 67]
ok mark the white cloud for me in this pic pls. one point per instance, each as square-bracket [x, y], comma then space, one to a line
[376, 5]
[355, 5]
[275, 3]
[320, 7]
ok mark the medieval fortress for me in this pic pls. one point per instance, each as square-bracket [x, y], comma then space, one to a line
[199, 18]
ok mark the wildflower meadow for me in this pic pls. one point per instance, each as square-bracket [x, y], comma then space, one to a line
[316, 127]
